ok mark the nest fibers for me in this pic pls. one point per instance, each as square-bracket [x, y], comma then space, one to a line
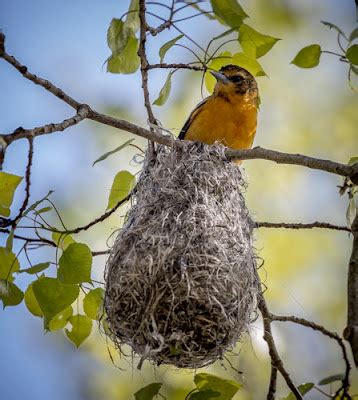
[181, 281]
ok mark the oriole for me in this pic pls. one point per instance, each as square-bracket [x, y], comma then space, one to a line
[229, 115]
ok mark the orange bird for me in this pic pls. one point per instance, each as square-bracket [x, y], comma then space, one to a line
[229, 115]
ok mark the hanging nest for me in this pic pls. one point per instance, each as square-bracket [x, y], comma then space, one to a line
[181, 281]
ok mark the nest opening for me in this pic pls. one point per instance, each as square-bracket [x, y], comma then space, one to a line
[181, 281]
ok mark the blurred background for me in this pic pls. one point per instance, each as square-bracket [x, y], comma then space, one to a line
[312, 112]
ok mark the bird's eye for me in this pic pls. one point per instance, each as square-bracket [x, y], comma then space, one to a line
[236, 78]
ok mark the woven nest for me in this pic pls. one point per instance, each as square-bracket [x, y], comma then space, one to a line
[181, 281]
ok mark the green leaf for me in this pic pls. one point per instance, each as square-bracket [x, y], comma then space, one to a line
[148, 392]
[8, 264]
[62, 240]
[204, 395]
[116, 150]
[8, 185]
[219, 61]
[75, 264]
[53, 296]
[308, 57]
[117, 35]
[34, 205]
[253, 43]
[81, 329]
[10, 239]
[164, 49]
[353, 35]
[164, 92]
[31, 302]
[43, 210]
[229, 12]
[92, 303]
[352, 54]
[331, 378]
[226, 388]
[10, 294]
[122, 184]
[351, 211]
[126, 61]
[36, 268]
[252, 65]
[353, 160]
[133, 21]
[335, 27]
[303, 389]
[60, 320]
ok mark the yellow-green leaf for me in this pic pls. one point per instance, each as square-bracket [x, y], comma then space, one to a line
[303, 389]
[109, 153]
[125, 61]
[53, 296]
[8, 264]
[117, 35]
[164, 49]
[81, 329]
[123, 183]
[353, 35]
[8, 185]
[308, 57]
[252, 65]
[10, 294]
[229, 12]
[226, 388]
[62, 240]
[92, 303]
[331, 378]
[164, 92]
[148, 392]
[31, 302]
[132, 20]
[352, 54]
[60, 320]
[36, 268]
[220, 60]
[75, 264]
[254, 43]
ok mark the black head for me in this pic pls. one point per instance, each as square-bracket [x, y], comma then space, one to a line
[237, 79]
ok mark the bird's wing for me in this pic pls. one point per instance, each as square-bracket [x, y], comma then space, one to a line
[191, 118]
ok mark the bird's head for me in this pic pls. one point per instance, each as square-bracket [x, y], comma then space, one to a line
[234, 80]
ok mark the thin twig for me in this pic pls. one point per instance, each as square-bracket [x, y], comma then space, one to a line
[176, 66]
[276, 362]
[27, 182]
[97, 220]
[312, 225]
[144, 62]
[326, 332]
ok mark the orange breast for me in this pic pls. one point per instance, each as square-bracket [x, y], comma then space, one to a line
[229, 120]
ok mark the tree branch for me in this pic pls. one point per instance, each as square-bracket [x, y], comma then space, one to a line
[276, 362]
[312, 225]
[296, 159]
[326, 332]
[255, 153]
[20, 133]
[350, 333]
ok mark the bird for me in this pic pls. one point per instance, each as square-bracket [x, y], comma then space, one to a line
[229, 115]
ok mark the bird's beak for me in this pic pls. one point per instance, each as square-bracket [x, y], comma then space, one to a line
[220, 77]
